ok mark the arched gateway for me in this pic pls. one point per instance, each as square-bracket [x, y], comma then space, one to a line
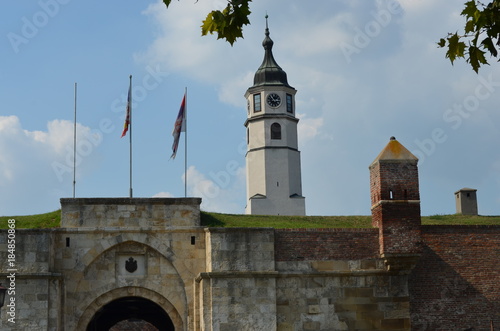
[130, 304]
[130, 309]
[130, 260]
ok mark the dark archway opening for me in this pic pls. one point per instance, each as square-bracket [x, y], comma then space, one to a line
[133, 309]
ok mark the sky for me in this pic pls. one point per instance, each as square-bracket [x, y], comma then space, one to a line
[364, 71]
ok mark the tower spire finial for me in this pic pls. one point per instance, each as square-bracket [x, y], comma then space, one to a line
[267, 27]
[269, 72]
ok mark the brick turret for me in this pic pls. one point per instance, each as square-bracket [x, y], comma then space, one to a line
[395, 201]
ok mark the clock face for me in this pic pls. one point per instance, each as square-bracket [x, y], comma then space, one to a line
[273, 100]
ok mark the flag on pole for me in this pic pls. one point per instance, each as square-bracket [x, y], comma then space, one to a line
[127, 118]
[179, 126]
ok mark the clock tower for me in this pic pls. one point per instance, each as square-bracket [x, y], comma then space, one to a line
[274, 185]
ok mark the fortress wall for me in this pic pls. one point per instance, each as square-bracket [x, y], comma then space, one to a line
[333, 279]
[326, 244]
[33, 299]
[455, 285]
[130, 212]
[360, 300]
[255, 278]
[240, 249]
[238, 291]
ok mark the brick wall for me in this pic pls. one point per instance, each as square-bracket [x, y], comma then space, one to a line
[399, 224]
[456, 283]
[325, 244]
[397, 176]
[395, 205]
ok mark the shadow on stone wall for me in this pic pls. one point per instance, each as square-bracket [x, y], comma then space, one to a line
[454, 286]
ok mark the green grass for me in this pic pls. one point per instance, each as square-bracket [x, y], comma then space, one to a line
[460, 220]
[53, 220]
[282, 222]
[41, 221]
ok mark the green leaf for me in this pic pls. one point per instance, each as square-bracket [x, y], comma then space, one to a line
[478, 16]
[470, 9]
[482, 21]
[470, 26]
[476, 58]
[488, 44]
[228, 23]
[167, 2]
[456, 48]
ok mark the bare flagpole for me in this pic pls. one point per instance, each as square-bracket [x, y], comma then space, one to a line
[185, 143]
[130, 124]
[74, 150]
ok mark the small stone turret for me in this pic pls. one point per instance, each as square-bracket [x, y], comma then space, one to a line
[395, 200]
[466, 201]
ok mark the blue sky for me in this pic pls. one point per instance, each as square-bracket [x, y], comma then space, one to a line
[364, 71]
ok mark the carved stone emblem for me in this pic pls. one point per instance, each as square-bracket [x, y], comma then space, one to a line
[131, 265]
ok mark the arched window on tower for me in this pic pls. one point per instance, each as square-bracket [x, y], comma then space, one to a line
[275, 131]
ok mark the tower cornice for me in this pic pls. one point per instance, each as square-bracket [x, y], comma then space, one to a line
[262, 117]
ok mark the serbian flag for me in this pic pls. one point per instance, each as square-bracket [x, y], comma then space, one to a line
[127, 118]
[179, 126]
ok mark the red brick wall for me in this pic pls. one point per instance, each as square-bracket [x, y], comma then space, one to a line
[456, 283]
[395, 205]
[454, 286]
[400, 177]
[399, 224]
[325, 244]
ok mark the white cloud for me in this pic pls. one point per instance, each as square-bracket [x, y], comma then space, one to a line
[308, 128]
[163, 195]
[37, 166]
[222, 191]
[231, 91]
[179, 46]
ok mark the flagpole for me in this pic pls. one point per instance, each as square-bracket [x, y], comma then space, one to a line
[74, 150]
[185, 144]
[130, 137]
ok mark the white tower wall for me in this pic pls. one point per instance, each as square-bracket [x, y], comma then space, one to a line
[274, 184]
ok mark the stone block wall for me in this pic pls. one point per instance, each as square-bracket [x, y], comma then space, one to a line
[93, 266]
[37, 304]
[348, 291]
[283, 279]
[31, 282]
[130, 212]
[238, 291]
[240, 249]
[349, 301]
